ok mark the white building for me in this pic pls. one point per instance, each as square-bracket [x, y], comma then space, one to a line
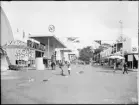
[6, 35]
[130, 49]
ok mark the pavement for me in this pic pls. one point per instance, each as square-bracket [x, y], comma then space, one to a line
[86, 84]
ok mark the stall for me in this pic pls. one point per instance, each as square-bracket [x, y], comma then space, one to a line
[118, 59]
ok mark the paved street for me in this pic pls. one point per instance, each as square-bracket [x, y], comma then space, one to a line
[92, 85]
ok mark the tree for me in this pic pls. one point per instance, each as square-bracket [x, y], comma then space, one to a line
[85, 54]
[98, 50]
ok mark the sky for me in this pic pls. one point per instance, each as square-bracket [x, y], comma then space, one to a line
[88, 20]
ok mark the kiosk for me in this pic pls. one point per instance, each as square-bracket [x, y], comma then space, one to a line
[39, 52]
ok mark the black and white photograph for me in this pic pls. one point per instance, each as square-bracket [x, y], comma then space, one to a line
[69, 52]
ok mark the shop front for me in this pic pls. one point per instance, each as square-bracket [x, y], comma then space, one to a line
[51, 43]
[130, 50]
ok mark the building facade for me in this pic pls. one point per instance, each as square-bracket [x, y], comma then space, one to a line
[130, 50]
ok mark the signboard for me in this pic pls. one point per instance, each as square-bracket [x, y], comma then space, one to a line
[51, 28]
[130, 57]
[35, 45]
[134, 49]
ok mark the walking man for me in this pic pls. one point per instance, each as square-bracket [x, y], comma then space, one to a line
[53, 65]
[69, 68]
[125, 68]
[115, 65]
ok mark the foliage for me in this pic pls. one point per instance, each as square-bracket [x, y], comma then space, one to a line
[98, 50]
[85, 54]
[101, 48]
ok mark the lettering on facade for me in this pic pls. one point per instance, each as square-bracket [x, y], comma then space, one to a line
[35, 45]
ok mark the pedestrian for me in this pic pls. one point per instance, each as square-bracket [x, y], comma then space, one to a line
[125, 68]
[69, 68]
[53, 65]
[60, 66]
[115, 63]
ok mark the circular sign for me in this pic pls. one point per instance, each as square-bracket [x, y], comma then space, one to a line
[51, 28]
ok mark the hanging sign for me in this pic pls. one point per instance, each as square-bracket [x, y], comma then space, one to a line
[35, 45]
[130, 57]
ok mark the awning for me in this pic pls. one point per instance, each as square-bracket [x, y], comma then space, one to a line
[137, 57]
[116, 57]
[53, 41]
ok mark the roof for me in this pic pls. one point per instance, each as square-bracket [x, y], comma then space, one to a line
[53, 40]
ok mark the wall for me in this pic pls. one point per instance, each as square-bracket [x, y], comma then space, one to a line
[66, 56]
[127, 45]
[6, 31]
[6, 35]
[130, 44]
[58, 55]
[134, 45]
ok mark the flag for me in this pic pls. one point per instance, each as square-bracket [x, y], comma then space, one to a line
[72, 38]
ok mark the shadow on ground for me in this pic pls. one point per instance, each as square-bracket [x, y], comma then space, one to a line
[117, 71]
[58, 74]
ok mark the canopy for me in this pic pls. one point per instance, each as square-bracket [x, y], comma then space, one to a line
[50, 40]
[116, 57]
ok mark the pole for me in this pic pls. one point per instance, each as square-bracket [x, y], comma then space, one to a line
[28, 58]
[48, 47]
[116, 46]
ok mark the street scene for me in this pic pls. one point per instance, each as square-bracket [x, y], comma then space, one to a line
[95, 85]
[69, 52]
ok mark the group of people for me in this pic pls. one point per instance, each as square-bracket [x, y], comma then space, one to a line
[68, 66]
[53, 65]
[125, 67]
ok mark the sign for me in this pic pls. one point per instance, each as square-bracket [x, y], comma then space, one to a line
[35, 45]
[51, 28]
[130, 57]
[134, 49]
